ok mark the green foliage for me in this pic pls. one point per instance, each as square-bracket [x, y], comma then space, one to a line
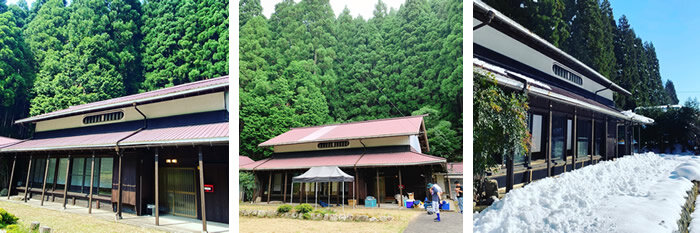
[246, 183]
[184, 41]
[7, 218]
[306, 216]
[323, 211]
[304, 208]
[442, 138]
[284, 208]
[305, 67]
[671, 92]
[672, 126]
[501, 120]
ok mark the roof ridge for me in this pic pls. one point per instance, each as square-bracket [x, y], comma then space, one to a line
[358, 122]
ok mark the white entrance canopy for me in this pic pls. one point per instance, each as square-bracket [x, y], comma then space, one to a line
[323, 174]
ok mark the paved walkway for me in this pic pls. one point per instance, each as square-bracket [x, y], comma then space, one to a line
[167, 223]
[450, 222]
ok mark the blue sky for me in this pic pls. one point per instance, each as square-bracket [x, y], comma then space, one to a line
[674, 28]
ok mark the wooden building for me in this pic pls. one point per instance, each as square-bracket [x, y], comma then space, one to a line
[573, 119]
[385, 156]
[131, 154]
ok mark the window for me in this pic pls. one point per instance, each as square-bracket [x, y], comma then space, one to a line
[568, 134]
[536, 132]
[558, 137]
[333, 144]
[50, 176]
[112, 116]
[77, 175]
[583, 134]
[568, 75]
[105, 180]
[37, 177]
[61, 179]
[277, 183]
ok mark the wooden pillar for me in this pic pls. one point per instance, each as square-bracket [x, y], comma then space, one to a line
[378, 199]
[269, 186]
[617, 137]
[92, 181]
[605, 138]
[201, 190]
[46, 174]
[26, 184]
[155, 211]
[574, 140]
[592, 152]
[627, 141]
[639, 140]
[400, 189]
[284, 196]
[119, 187]
[12, 175]
[548, 153]
[65, 186]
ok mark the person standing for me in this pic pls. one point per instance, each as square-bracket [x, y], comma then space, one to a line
[436, 193]
[460, 198]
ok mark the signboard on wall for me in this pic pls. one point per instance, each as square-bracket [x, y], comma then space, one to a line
[208, 188]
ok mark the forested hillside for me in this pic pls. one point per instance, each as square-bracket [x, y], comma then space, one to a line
[54, 55]
[587, 30]
[306, 66]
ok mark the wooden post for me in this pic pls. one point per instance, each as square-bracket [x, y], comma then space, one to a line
[46, 174]
[26, 184]
[400, 189]
[65, 186]
[12, 175]
[378, 198]
[269, 186]
[284, 196]
[156, 210]
[574, 140]
[92, 180]
[201, 190]
[617, 137]
[605, 140]
[592, 152]
[119, 187]
[548, 153]
[639, 141]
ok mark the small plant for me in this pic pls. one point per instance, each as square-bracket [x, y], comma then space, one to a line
[307, 216]
[304, 208]
[284, 208]
[324, 211]
[3, 192]
[6, 218]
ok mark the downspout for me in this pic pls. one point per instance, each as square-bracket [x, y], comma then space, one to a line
[354, 166]
[489, 16]
[120, 154]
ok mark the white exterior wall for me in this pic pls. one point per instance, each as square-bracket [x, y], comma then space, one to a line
[370, 142]
[188, 105]
[415, 143]
[501, 43]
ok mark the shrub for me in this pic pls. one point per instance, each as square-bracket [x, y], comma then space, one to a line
[284, 208]
[304, 208]
[324, 211]
[3, 192]
[7, 218]
[246, 184]
[307, 216]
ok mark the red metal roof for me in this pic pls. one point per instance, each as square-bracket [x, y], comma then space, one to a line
[455, 168]
[354, 130]
[4, 141]
[243, 160]
[105, 104]
[368, 160]
[176, 134]
[205, 133]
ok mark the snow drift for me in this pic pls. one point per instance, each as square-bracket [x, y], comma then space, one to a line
[640, 193]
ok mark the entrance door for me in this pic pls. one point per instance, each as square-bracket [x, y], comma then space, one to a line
[180, 191]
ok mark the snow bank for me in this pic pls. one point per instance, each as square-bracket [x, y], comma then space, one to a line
[695, 216]
[640, 193]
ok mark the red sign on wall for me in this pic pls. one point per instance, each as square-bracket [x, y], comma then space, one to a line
[209, 188]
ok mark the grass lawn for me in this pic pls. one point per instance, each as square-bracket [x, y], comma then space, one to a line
[255, 224]
[66, 222]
